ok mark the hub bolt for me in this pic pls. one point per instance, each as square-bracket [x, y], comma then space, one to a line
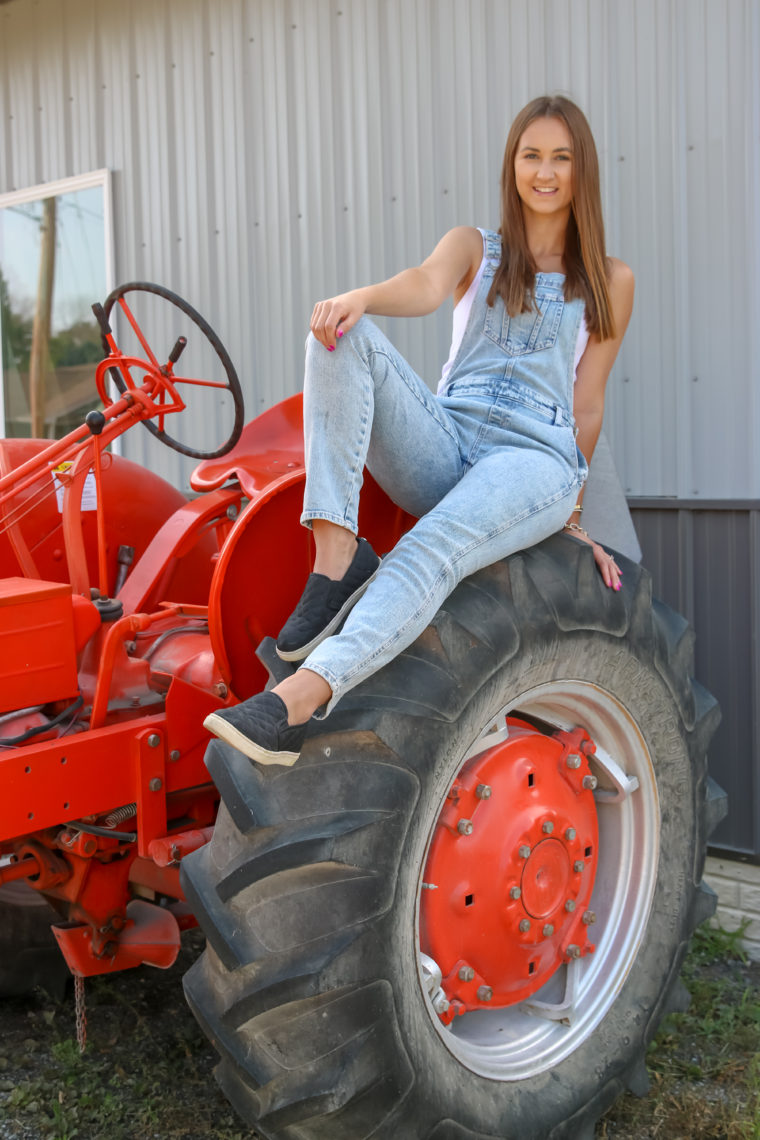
[589, 918]
[464, 827]
[440, 1004]
[483, 791]
[466, 974]
[485, 993]
[524, 851]
[548, 930]
[570, 834]
[570, 905]
[573, 951]
[573, 761]
[514, 892]
[578, 865]
[548, 827]
[524, 926]
[590, 782]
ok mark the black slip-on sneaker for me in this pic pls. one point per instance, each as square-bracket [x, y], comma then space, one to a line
[259, 729]
[325, 604]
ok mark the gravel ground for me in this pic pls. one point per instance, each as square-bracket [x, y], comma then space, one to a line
[147, 1071]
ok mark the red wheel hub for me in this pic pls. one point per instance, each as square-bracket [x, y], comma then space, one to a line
[511, 869]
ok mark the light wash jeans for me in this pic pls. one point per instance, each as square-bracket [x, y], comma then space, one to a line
[490, 468]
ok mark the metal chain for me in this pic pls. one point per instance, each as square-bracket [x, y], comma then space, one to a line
[80, 1008]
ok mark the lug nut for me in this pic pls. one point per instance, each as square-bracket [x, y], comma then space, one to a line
[466, 974]
[589, 918]
[464, 827]
[573, 761]
[590, 782]
[573, 951]
[485, 993]
[524, 926]
[514, 892]
[548, 930]
[483, 792]
[570, 905]
[578, 866]
[548, 827]
[524, 851]
[440, 1003]
[570, 834]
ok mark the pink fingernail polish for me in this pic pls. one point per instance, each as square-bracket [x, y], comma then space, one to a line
[618, 587]
[340, 332]
[331, 348]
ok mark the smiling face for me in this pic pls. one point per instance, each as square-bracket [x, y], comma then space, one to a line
[544, 167]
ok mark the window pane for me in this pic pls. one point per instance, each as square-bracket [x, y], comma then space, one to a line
[52, 268]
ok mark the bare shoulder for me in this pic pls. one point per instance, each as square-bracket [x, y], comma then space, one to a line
[620, 276]
[621, 285]
[466, 238]
[456, 259]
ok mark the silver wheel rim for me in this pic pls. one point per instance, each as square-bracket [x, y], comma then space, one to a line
[521, 1041]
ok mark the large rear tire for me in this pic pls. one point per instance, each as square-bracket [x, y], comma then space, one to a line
[29, 954]
[312, 986]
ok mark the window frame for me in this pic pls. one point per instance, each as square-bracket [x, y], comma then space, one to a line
[45, 190]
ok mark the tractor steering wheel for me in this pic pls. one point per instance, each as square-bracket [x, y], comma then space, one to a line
[153, 325]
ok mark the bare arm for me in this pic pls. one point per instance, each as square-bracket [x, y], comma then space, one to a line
[411, 293]
[588, 401]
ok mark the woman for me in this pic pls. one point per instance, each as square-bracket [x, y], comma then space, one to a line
[489, 465]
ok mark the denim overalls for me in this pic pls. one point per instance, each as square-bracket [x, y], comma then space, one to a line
[489, 467]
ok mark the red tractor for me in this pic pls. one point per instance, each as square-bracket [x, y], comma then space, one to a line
[462, 914]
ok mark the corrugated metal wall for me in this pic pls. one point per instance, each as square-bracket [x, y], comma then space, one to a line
[705, 563]
[269, 153]
[266, 153]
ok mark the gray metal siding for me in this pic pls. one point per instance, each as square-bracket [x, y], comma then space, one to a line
[269, 152]
[266, 153]
[705, 563]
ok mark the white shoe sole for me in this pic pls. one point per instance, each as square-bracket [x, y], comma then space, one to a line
[303, 651]
[219, 727]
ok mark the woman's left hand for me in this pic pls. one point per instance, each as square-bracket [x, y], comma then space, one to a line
[611, 573]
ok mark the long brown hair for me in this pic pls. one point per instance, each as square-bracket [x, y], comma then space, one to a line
[586, 265]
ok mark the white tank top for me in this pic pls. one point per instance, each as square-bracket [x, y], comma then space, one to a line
[462, 315]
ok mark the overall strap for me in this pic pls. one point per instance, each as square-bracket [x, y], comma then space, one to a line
[493, 245]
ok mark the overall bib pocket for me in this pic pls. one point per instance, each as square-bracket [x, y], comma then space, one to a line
[527, 332]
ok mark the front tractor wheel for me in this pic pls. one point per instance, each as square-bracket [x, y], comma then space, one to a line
[462, 914]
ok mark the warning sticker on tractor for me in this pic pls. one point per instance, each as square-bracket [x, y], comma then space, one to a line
[61, 479]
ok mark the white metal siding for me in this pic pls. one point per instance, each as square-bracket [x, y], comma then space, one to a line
[269, 152]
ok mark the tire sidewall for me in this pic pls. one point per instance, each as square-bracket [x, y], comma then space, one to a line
[535, 1106]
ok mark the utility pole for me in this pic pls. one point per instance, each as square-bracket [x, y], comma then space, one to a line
[38, 359]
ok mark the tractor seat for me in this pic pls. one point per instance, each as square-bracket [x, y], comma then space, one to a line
[270, 446]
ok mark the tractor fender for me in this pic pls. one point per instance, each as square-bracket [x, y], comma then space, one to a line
[267, 556]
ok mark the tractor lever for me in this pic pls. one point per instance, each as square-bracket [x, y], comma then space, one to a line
[178, 349]
[105, 328]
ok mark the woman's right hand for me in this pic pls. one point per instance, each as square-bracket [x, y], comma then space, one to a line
[335, 316]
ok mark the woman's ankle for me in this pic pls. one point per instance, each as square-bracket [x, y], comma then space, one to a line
[335, 549]
[302, 694]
